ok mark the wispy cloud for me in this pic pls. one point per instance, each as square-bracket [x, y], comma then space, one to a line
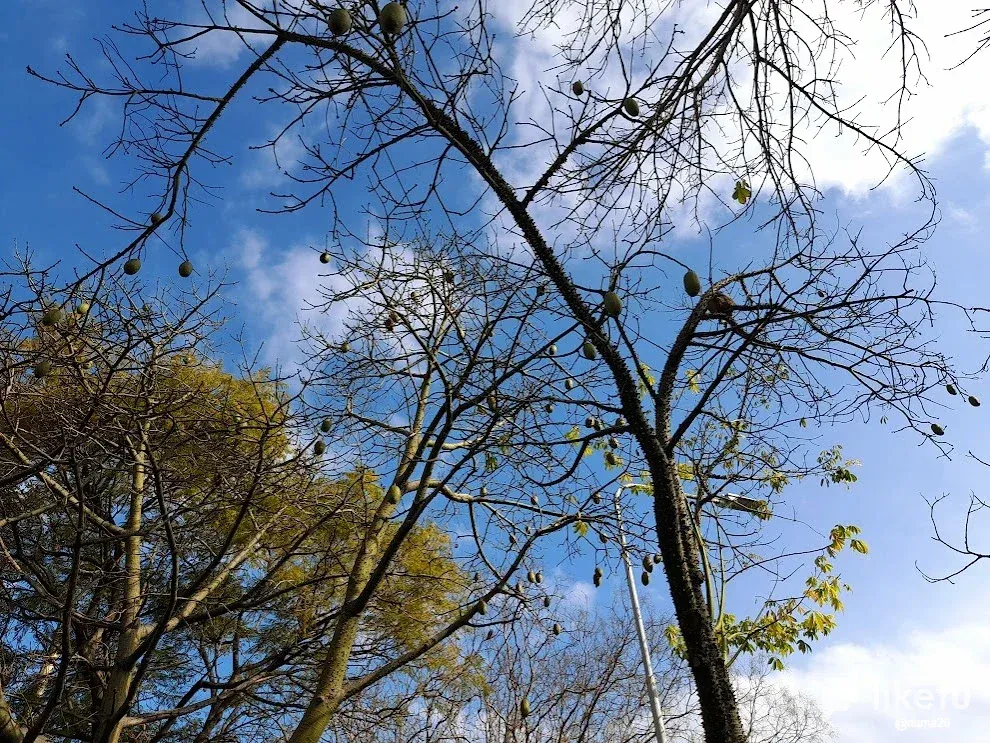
[866, 689]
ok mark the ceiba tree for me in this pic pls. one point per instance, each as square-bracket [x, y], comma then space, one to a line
[416, 104]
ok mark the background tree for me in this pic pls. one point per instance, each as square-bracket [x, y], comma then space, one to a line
[580, 671]
[648, 126]
[173, 560]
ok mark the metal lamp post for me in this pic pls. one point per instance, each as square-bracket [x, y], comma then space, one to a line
[644, 647]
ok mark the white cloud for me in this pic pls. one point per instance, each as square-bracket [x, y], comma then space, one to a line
[940, 106]
[579, 595]
[278, 289]
[923, 675]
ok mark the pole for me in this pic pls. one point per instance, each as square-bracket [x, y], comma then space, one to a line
[651, 684]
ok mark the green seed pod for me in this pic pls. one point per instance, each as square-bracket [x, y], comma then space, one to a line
[535, 500]
[539, 577]
[157, 218]
[339, 22]
[645, 577]
[596, 498]
[42, 369]
[937, 429]
[557, 629]
[974, 401]
[612, 304]
[692, 284]
[549, 408]
[531, 576]
[631, 107]
[324, 257]
[546, 602]
[394, 495]
[569, 384]
[598, 572]
[482, 607]
[577, 88]
[393, 18]
[657, 558]
[132, 266]
[319, 447]
[325, 425]
[345, 347]
[589, 422]
[951, 389]
[185, 269]
[51, 317]
[524, 708]
[589, 351]
[552, 350]
[83, 308]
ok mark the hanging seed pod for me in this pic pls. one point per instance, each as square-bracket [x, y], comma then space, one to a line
[974, 401]
[82, 308]
[557, 629]
[482, 607]
[531, 576]
[51, 317]
[393, 495]
[610, 459]
[185, 269]
[612, 304]
[951, 389]
[577, 88]
[645, 577]
[157, 218]
[42, 369]
[613, 442]
[692, 284]
[596, 498]
[657, 558]
[603, 537]
[598, 580]
[325, 425]
[393, 17]
[589, 422]
[319, 447]
[490, 634]
[620, 422]
[539, 577]
[569, 384]
[132, 266]
[339, 22]
[631, 107]
[534, 500]
[512, 539]
[589, 351]
[546, 602]
[524, 708]
[552, 349]
[345, 347]
[324, 257]
[937, 429]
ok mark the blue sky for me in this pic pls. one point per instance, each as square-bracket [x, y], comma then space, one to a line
[894, 621]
